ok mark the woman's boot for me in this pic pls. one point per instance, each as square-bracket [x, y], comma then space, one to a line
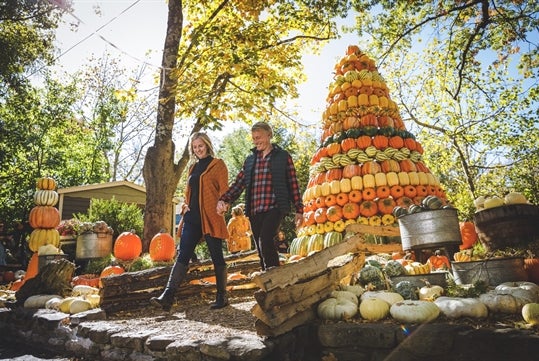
[221, 299]
[177, 276]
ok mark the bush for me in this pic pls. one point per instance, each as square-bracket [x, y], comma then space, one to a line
[120, 216]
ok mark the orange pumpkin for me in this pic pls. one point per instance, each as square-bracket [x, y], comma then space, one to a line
[368, 208]
[351, 170]
[330, 200]
[396, 191]
[421, 167]
[468, 234]
[333, 149]
[128, 246]
[342, 199]
[380, 141]
[89, 279]
[386, 205]
[438, 261]
[333, 174]
[355, 196]
[407, 165]
[350, 210]
[370, 167]
[368, 119]
[390, 165]
[368, 194]
[320, 202]
[33, 267]
[110, 271]
[396, 142]
[404, 202]
[320, 215]
[383, 191]
[421, 190]
[347, 144]
[162, 247]
[363, 141]
[531, 265]
[46, 217]
[410, 191]
[334, 213]
[384, 121]
[352, 49]
[410, 143]
[308, 218]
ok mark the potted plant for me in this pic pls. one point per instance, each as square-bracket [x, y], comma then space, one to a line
[94, 240]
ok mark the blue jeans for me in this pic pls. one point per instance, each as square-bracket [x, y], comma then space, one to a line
[190, 236]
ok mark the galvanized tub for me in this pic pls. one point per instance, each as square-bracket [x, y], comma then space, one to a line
[93, 245]
[429, 229]
[491, 271]
[44, 260]
[514, 225]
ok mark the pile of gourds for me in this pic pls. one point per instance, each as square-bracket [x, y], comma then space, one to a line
[367, 162]
[44, 217]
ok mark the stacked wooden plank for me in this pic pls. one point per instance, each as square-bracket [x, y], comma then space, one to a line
[133, 290]
[289, 294]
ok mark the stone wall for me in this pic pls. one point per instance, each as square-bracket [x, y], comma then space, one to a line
[76, 336]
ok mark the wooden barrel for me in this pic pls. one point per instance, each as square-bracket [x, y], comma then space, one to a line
[429, 229]
[514, 225]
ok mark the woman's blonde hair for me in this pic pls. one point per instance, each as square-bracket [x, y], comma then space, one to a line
[205, 139]
[237, 211]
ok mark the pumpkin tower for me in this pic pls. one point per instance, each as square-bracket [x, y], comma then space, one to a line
[367, 163]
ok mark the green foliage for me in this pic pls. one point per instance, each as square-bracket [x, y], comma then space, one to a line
[26, 39]
[122, 217]
[40, 136]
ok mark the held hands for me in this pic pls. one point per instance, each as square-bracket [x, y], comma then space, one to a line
[298, 220]
[222, 207]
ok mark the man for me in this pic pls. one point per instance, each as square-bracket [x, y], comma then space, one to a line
[269, 179]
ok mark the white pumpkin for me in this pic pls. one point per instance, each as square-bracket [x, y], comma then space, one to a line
[387, 296]
[79, 305]
[525, 290]
[373, 309]
[456, 307]
[38, 301]
[346, 295]
[515, 198]
[530, 313]
[356, 289]
[54, 303]
[84, 290]
[337, 309]
[492, 202]
[430, 292]
[409, 311]
[501, 303]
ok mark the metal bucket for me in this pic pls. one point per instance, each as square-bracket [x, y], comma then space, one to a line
[44, 260]
[492, 271]
[429, 229]
[507, 226]
[93, 245]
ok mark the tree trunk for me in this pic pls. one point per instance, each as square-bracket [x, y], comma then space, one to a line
[161, 174]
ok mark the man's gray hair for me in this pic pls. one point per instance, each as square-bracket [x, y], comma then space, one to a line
[262, 126]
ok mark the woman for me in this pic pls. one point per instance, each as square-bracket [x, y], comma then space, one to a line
[207, 181]
[239, 229]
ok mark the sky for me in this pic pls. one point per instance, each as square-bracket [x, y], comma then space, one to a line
[134, 30]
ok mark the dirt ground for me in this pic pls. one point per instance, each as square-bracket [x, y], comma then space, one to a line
[195, 318]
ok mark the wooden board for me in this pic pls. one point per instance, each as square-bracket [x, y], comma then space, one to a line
[390, 231]
[298, 319]
[338, 269]
[315, 264]
[305, 295]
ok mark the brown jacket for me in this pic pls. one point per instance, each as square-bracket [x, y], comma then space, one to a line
[213, 183]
